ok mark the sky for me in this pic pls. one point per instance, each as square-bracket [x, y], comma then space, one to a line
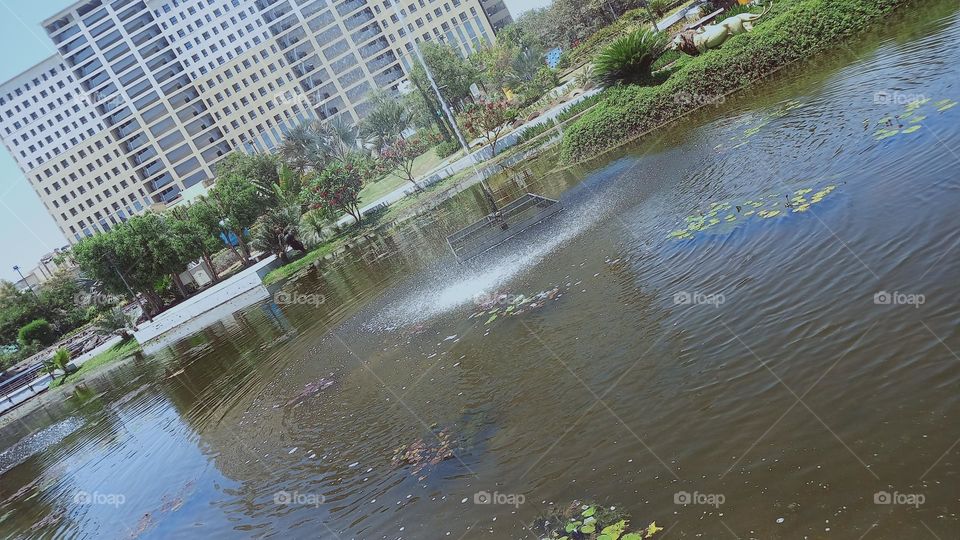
[27, 232]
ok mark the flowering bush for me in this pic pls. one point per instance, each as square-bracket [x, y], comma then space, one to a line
[337, 186]
[488, 120]
[401, 155]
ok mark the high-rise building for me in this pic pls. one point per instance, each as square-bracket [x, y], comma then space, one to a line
[145, 96]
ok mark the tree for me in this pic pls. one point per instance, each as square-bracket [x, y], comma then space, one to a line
[337, 187]
[386, 121]
[239, 203]
[402, 154]
[261, 170]
[303, 147]
[205, 215]
[272, 229]
[193, 239]
[488, 119]
[452, 73]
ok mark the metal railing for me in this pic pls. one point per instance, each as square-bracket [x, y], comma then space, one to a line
[498, 227]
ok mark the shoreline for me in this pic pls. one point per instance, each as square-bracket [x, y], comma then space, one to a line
[626, 114]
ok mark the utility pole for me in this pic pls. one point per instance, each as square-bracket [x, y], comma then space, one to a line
[136, 297]
[16, 268]
[446, 109]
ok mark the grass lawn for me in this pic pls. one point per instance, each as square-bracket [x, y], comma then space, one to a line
[421, 166]
[117, 352]
[322, 250]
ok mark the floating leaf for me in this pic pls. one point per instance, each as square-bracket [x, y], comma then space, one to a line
[911, 129]
[945, 104]
[652, 529]
[614, 531]
[491, 319]
[588, 528]
[885, 133]
[803, 191]
[589, 511]
[572, 526]
[632, 536]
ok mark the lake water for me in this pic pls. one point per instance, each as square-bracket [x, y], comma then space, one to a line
[754, 312]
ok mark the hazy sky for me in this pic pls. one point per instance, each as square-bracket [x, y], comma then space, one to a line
[27, 232]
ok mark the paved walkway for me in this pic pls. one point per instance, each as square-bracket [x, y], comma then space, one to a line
[477, 157]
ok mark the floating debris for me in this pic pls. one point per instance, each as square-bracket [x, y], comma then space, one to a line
[312, 388]
[517, 304]
[419, 454]
[764, 207]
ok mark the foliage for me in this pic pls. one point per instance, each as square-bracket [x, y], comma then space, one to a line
[566, 23]
[579, 107]
[386, 121]
[314, 225]
[402, 153]
[628, 60]
[58, 301]
[142, 250]
[260, 170]
[590, 522]
[791, 31]
[36, 332]
[303, 147]
[488, 120]
[270, 230]
[124, 349]
[447, 149]
[452, 73]
[628, 23]
[337, 187]
[659, 7]
[239, 202]
[59, 361]
[113, 320]
[534, 131]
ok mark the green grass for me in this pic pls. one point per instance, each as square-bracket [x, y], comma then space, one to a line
[425, 163]
[117, 352]
[791, 31]
[315, 254]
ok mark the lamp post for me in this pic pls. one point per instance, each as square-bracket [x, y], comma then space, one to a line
[16, 268]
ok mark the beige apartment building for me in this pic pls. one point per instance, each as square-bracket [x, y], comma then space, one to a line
[144, 97]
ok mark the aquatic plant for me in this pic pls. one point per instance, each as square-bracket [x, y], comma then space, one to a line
[909, 121]
[580, 521]
[628, 60]
[764, 207]
[502, 305]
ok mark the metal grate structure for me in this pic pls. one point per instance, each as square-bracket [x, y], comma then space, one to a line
[498, 227]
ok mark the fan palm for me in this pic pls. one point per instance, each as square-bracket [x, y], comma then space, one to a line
[629, 59]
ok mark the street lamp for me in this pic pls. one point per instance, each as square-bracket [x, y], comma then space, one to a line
[16, 268]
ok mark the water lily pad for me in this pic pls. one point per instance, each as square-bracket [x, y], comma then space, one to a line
[614, 531]
[589, 528]
[945, 104]
[652, 529]
[589, 511]
[491, 319]
[917, 119]
[572, 526]
[885, 133]
[911, 129]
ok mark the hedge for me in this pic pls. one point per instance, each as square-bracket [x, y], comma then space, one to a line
[792, 31]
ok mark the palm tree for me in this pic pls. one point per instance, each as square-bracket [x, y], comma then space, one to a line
[386, 121]
[304, 147]
[341, 138]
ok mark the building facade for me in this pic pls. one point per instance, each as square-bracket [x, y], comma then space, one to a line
[144, 97]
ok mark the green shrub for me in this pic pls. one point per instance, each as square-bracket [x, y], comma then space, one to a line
[534, 131]
[629, 59]
[659, 7]
[578, 108]
[792, 31]
[447, 149]
[36, 332]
